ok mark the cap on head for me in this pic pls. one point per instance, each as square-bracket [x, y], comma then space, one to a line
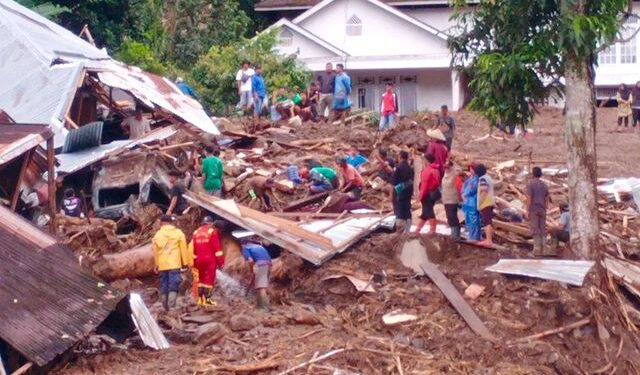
[179, 80]
[167, 219]
[207, 220]
[341, 160]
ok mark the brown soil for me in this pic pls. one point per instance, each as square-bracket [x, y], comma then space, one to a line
[310, 316]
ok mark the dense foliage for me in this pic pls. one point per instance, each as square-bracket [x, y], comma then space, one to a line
[215, 72]
[515, 50]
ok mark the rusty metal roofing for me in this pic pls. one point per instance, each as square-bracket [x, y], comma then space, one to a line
[16, 139]
[47, 301]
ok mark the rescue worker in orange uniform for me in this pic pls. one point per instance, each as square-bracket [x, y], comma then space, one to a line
[208, 256]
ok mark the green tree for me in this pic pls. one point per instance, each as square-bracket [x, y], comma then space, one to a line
[139, 54]
[45, 9]
[516, 51]
[214, 75]
[196, 25]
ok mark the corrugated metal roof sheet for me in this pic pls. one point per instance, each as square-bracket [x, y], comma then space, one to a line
[47, 301]
[315, 241]
[566, 271]
[86, 136]
[49, 40]
[16, 139]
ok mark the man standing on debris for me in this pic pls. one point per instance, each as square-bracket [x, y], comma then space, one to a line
[213, 171]
[178, 204]
[341, 92]
[208, 257]
[243, 79]
[136, 125]
[326, 81]
[429, 193]
[438, 149]
[537, 199]
[388, 108]
[353, 183]
[402, 181]
[486, 202]
[259, 90]
[447, 125]
[258, 188]
[259, 262]
[171, 255]
[451, 189]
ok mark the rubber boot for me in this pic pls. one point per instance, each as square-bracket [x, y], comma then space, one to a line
[455, 233]
[201, 295]
[173, 298]
[421, 224]
[164, 298]
[263, 303]
[432, 225]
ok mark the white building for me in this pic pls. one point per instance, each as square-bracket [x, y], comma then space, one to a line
[405, 42]
[377, 43]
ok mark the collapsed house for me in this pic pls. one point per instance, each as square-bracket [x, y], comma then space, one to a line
[52, 77]
[49, 302]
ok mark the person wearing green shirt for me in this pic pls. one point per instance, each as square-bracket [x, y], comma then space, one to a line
[329, 173]
[213, 171]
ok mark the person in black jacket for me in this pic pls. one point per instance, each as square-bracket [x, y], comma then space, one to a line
[402, 192]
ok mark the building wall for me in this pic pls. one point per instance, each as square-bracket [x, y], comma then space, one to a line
[436, 17]
[300, 45]
[383, 34]
[416, 89]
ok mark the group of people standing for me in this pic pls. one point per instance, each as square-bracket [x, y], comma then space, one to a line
[327, 97]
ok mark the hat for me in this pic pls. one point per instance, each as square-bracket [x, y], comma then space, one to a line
[207, 220]
[436, 134]
[342, 159]
[167, 219]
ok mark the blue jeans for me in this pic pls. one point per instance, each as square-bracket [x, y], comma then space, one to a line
[386, 121]
[258, 105]
[169, 281]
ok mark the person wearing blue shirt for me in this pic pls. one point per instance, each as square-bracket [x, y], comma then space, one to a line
[341, 92]
[185, 88]
[259, 92]
[259, 261]
[355, 158]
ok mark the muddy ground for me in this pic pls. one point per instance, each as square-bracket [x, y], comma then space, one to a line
[310, 317]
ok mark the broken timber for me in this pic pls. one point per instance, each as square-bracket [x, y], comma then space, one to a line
[294, 206]
[458, 302]
[308, 240]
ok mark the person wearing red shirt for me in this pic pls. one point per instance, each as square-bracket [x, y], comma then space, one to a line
[388, 107]
[429, 193]
[438, 148]
[353, 183]
[208, 256]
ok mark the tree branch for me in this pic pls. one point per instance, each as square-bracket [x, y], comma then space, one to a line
[621, 40]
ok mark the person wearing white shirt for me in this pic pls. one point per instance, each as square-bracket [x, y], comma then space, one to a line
[136, 125]
[243, 78]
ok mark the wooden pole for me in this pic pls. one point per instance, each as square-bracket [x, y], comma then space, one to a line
[51, 183]
[16, 191]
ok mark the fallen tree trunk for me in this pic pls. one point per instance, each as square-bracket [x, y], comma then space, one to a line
[135, 263]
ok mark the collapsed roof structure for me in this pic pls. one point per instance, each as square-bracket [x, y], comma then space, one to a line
[48, 302]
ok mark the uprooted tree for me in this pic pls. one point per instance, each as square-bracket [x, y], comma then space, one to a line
[516, 52]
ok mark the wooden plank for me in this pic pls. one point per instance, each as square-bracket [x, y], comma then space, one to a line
[287, 225]
[296, 205]
[456, 300]
[513, 228]
[51, 160]
[23, 168]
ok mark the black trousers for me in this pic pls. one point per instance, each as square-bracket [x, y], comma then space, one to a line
[452, 214]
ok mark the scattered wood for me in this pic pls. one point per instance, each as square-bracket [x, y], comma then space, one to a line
[314, 360]
[134, 263]
[549, 332]
[300, 203]
[267, 364]
[458, 302]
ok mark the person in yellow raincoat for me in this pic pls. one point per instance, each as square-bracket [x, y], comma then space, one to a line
[171, 256]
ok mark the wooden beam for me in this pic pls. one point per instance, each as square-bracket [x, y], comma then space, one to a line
[23, 168]
[51, 159]
[456, 300]
[300, 203]
[513, 228]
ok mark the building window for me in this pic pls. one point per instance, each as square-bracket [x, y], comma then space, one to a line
[608, 56]
[354, 26]
[286, 38]
[383, 80]
[362, 98]
[367, 80]
[628, 52]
